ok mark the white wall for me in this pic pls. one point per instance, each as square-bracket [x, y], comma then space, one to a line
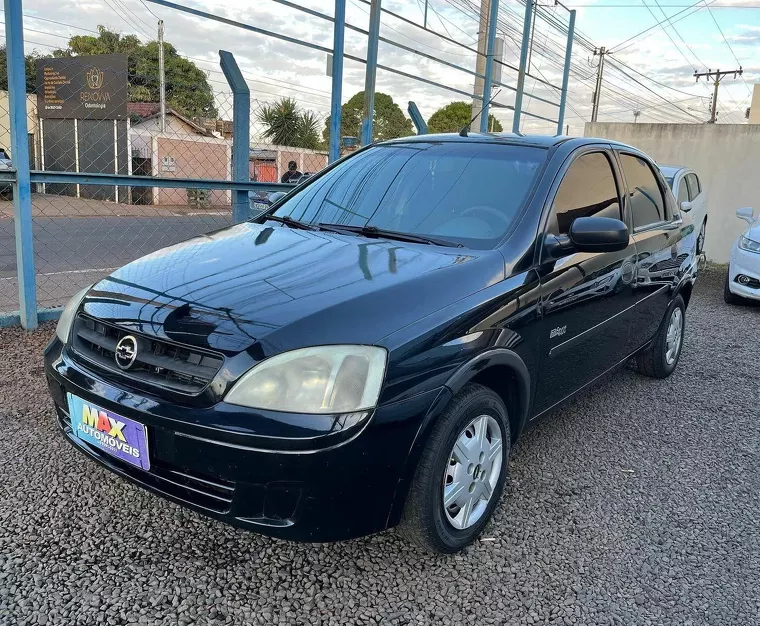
[725, 156]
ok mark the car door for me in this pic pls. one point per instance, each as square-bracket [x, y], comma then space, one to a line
[698, 199]
[585, 297]
[664, 244]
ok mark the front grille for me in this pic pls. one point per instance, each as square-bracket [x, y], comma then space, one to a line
[158, 363]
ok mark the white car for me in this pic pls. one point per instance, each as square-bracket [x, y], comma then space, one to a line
[691, 194]
[743, 277]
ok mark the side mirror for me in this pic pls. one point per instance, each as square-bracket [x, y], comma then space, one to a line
[747, 214]
[686, 206]
[598, 234]
[274, 197]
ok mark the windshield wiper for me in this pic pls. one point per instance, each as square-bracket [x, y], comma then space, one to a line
[374, 231]
[286, 219]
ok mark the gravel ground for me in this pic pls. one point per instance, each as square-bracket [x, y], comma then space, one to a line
[636, 504]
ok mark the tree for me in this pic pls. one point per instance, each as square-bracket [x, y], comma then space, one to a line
[31, 70]
[389, 122]
[454, 116]
[187, 88]
[287, 125]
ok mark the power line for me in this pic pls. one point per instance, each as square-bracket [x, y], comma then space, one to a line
[147, 8]
[621, 46]
[720, 30]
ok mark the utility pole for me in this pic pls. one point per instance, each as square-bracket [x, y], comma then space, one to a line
[602, 52]
[532, 33]
[161, 76]
[717, 75]
[480, 63]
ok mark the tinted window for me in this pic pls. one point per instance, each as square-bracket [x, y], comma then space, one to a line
[470, 193]
[647, 203]
[588, 188]
[669, 180]
[683, 192]
[694, 188]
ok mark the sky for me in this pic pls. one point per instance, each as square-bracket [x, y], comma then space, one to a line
[651, 74]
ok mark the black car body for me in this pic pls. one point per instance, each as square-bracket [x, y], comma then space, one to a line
[522, 313]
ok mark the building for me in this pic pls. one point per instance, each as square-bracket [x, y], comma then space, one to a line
[31, 120]
[184, 149]
[754, 109]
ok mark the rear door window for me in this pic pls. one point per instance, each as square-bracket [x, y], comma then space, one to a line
[646, 198]
[587, 189]
[684, 194]
[694, 187]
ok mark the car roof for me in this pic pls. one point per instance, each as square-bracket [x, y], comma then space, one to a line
[542, 141]
[670, 171]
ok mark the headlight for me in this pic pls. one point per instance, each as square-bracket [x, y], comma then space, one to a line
[324, 379]
[67, 316]
[745, 243]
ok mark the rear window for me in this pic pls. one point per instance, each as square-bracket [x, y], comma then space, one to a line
[470, 193]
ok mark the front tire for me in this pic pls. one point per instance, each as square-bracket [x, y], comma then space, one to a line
[728, 296]
[661, 357]
[461, 474]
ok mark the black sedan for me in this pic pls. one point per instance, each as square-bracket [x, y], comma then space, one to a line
[366, 353]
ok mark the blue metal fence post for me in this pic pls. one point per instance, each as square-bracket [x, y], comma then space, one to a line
[488, 81]
[22, 190]
[523, 63]
[369, 77]
[566, 73]
[241, 129]
[417, 119]
[339, 31]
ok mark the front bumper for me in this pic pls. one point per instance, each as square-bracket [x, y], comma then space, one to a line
[332, 489]
[747, 263]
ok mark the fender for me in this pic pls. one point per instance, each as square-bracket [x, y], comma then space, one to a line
[497, 356]
[463, 375]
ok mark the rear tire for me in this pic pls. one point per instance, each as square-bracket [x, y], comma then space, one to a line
[728, 296]
[442, 473]
[661, 357]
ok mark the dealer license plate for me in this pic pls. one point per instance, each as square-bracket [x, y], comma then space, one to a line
[119, 436]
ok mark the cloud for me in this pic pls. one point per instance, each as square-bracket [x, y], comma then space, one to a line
[276, 68]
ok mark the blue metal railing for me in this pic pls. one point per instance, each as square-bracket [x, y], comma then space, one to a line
[23, 177]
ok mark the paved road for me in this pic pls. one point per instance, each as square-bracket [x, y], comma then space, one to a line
[71, 253]
[65, 244]
[636, 504]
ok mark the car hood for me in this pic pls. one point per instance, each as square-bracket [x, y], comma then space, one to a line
[284, 288]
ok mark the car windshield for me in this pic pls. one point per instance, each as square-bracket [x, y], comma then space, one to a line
[669, 180]
[469, 193]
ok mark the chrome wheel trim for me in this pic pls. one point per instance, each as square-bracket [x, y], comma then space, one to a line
[472, 473]
[674, 336]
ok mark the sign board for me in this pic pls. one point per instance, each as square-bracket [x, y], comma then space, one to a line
[83, 87]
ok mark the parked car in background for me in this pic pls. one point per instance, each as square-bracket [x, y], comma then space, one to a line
[743, 276]
[366, 353]
[259, 201]
[6, 191]
[691, 196]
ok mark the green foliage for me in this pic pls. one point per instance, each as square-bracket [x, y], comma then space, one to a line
[389, 122]
[187, 88]
[454, 116]
[31, 70]
[287, 125]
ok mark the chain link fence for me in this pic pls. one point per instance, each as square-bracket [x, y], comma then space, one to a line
[101, 115]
